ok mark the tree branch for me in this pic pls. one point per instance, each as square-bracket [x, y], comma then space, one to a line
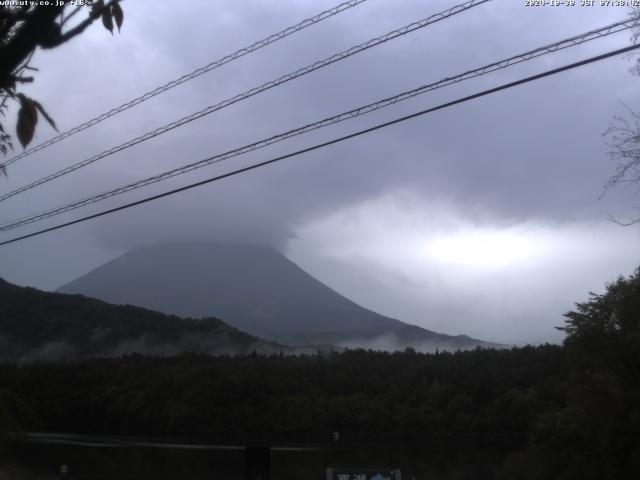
[621, 223]
[81, 27]
[70, 16]
[22, 79]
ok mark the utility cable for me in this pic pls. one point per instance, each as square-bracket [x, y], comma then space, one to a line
[331, 142]
[189, 76]
[371, 107]
[254, 91]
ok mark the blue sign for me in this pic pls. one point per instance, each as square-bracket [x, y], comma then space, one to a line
[362, 474]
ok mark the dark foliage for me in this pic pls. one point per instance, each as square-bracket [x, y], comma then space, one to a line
[596, 434]
[362, 394]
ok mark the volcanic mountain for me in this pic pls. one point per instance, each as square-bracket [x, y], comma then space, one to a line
[255, 289]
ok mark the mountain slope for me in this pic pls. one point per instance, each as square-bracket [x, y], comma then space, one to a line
[257, 290]
[43, 326]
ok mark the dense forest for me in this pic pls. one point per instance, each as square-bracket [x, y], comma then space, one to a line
[276, 397]
[574, 409]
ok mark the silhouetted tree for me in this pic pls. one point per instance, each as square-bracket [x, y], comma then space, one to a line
[595, 432]
[623, 139]
[604, 332]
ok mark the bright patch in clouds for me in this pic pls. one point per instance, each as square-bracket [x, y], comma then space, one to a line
[426, 263]
[485, 248]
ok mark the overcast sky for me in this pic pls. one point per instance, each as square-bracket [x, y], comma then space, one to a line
[483, 219]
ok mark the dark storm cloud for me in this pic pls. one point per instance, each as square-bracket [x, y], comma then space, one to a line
[504, 150]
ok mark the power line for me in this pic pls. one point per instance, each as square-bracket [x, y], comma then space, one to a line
[189, 76]
[254, 91]
[513, 60]
[331, 142]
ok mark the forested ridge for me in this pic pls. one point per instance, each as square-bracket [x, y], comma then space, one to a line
[44, 326]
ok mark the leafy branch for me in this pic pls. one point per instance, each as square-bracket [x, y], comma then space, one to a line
[23, 29]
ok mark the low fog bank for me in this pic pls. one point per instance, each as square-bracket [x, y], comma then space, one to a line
[147, 344]
[392, 343]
